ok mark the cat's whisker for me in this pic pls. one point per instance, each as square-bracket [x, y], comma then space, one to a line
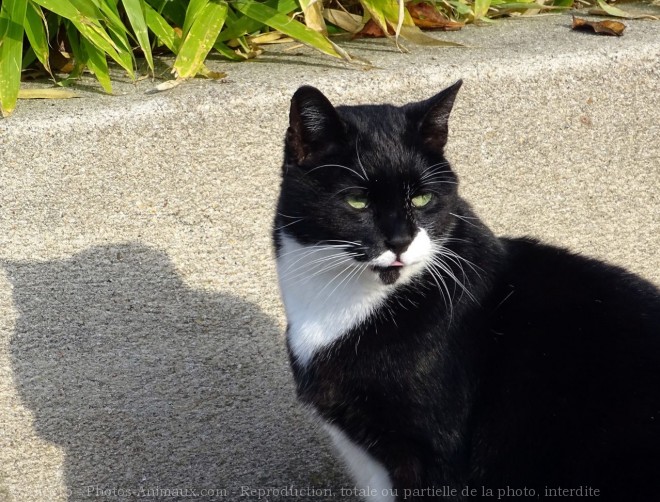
[464, 219]
[438, 279]
[357, 151]
[345, 280]
[346, 242]
[289, 224]
[313, 263]
[311, 252]
[340, 166]
[445, 256]
[305, 278]
[437, 175]
[472, 265]
[447, 270]
[286, 215]
[327, 264]
[439, 182]
[331, 281]
[312, 248]
[348, 188]
[443, 163]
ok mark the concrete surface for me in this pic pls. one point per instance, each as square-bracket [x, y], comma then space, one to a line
[140, 326]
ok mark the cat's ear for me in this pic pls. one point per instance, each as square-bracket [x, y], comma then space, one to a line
[313, 123]
[434, 124]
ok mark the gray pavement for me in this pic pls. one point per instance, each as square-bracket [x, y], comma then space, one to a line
[141, 333]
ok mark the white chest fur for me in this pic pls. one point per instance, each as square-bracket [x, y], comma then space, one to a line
[325, 294]
[368, 474]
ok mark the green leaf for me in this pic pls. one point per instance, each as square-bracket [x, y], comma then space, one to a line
[461, 8]
[91, 29]
[616, 12]
[35, 30]
[97, 64]
[200, 39]
[88, 8]
[118, 33]
[227, 52]
[62, 8]
[281, 22]
[244, 24]
[195, 8]
[29, 57]
[174, 11]
[102, 41]
[481, 9]
[161, 28]
[12, 16]
[78, 55]
[134, 11]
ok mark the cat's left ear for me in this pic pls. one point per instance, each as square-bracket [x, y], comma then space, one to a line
[434, 124]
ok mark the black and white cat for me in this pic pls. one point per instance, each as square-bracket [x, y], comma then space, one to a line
[445, 362]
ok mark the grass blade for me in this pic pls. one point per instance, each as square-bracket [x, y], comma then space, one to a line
[35, 30]
[12, 15]
[200, 39]
[134, 11]
[281, 22]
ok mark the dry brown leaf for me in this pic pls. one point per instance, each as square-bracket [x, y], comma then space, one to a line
[607, 27]
[60, 61]
[372, 30]
[345, 20]
[313, 15]
[164, 86]
[427, 17]
[46, 94]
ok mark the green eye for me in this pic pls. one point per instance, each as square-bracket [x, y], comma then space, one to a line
[357, 201]
[421, 200]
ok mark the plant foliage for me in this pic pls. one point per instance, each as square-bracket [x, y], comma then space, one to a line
[63, 38]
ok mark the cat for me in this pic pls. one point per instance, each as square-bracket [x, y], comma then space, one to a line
[447, 363]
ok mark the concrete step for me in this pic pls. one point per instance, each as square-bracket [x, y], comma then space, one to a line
[141, 333]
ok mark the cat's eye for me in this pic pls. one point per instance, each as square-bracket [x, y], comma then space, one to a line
[421, 200]
[357, 201]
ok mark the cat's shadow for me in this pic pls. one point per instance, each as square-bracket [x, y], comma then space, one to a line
[145, 382]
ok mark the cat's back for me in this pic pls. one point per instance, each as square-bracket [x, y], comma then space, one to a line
[578, 296]
[573, 372]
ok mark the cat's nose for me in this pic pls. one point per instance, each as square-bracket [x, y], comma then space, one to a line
[398, 243]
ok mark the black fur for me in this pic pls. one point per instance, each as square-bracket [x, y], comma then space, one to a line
[547, 377]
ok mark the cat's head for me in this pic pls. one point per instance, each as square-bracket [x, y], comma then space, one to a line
[366, 186]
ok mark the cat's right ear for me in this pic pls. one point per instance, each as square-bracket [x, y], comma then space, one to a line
[313, 123]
